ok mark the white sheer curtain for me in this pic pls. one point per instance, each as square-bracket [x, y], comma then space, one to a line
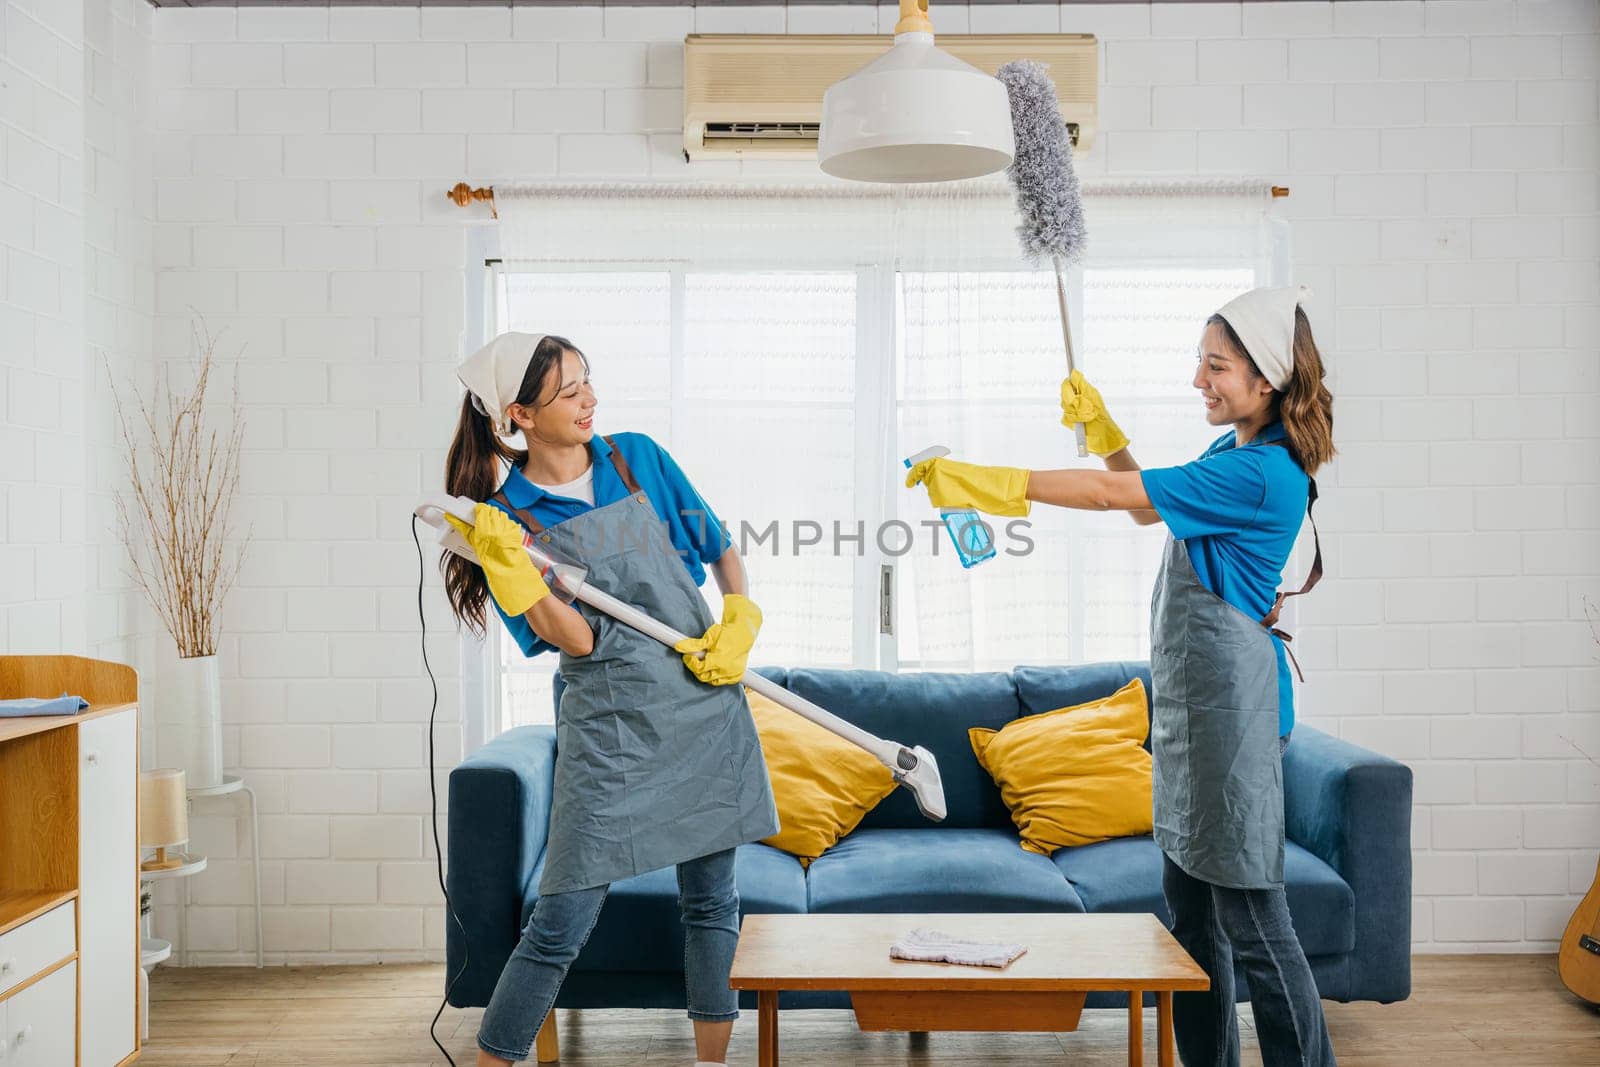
[789, 345]
[978, 369]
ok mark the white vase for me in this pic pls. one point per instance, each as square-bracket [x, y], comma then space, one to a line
[189, 719]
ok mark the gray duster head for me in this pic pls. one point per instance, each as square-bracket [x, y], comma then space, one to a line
[1041, 172]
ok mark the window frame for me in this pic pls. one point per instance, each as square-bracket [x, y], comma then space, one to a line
[876, 405]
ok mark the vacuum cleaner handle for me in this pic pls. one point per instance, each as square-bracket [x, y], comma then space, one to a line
[432, 510]
[913, 767]
[435, 506]
[563, 576]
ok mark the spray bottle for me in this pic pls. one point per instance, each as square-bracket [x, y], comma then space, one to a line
[968, 532]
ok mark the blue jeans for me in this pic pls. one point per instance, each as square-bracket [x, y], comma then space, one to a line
[1214, 924]
[560, 927]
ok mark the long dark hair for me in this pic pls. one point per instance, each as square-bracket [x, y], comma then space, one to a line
[473, 469]
[1304, 404]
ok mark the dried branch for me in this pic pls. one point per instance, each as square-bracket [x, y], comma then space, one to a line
[175, 515]
[1594, 620]
[1594, 633]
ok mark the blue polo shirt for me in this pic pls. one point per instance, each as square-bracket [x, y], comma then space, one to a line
[695, 530]
[1239, 510]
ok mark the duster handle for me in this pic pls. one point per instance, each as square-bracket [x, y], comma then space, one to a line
[1066, 338]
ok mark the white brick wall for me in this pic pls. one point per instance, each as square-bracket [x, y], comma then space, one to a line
[77, 202]
[78, 265]
[43, 369]
[1441, 156]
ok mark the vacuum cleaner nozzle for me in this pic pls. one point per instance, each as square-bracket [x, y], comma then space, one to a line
[922, 778]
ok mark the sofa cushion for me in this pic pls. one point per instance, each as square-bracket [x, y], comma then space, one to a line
[933, 710]
[936, 870]
[641, 929]
[1042, 689]
[821, 783]
[1076, 775]
[1124, 875]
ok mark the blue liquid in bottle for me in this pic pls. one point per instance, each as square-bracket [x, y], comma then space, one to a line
[968, 532]
[970, 535]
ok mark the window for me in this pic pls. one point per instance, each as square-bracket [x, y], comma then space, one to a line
[790, 396]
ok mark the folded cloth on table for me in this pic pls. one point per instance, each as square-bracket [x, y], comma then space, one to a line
[61, 705]
[932, 946]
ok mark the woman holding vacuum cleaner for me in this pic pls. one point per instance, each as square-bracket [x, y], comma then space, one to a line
[1221, 696]
[658, 763]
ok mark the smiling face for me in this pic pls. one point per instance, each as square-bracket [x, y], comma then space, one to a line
[1233, 390]
[564, 415]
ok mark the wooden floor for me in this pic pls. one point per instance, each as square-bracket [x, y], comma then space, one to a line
[1464, 1011]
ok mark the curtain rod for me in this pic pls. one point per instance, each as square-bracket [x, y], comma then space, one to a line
[463, 194]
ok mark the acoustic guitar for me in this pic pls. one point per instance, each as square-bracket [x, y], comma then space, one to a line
[1579, 961]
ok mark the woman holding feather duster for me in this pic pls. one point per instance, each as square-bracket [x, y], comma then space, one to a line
[1222, 701]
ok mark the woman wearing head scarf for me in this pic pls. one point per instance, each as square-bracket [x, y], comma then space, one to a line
[1222, 702]
[657, 760]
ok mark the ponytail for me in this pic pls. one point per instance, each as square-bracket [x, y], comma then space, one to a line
[473, 470]
[1306, 406]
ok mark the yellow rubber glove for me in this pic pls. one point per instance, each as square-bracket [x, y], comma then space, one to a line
[995, 490]
[726, 644]
[1082, 402]
[514, 582]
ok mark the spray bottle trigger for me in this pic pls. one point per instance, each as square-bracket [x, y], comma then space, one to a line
[933, 452]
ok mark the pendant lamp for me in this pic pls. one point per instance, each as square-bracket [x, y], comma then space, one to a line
[915, 114]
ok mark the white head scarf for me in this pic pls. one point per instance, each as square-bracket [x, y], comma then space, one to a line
[1264, 321]
[494, 373]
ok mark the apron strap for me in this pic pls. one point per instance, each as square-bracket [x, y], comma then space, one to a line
[1316, 565]
[1271, 619]
[534, 526]
[623, 470]
[1286, 637]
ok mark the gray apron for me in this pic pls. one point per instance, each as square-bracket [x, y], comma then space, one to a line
[653, 767]
[1218, 774]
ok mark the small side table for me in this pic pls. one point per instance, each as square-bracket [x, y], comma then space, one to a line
[232, 783]
[154, 950]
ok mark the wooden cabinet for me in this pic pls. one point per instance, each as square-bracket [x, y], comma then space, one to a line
[38, 1021]
[32, 947]
[108, 889]
[69, 867]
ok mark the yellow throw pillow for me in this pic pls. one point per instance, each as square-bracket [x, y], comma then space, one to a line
[1076, 775]
[823, 785]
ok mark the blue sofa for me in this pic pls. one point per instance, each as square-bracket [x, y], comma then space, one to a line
[1348, 866]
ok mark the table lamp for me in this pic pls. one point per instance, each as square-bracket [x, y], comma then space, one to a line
[163, 816]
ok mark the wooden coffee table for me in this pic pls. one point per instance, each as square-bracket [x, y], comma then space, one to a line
[1068, 956]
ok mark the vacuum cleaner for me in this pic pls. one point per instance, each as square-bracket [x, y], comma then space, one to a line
[912, 766]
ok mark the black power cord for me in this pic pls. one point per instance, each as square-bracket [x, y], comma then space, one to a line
[433, 797]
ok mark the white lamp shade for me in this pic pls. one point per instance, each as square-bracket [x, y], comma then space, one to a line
[915, 114]
[163, 808]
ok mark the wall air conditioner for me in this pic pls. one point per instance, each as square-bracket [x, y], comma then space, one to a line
[751, 96]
